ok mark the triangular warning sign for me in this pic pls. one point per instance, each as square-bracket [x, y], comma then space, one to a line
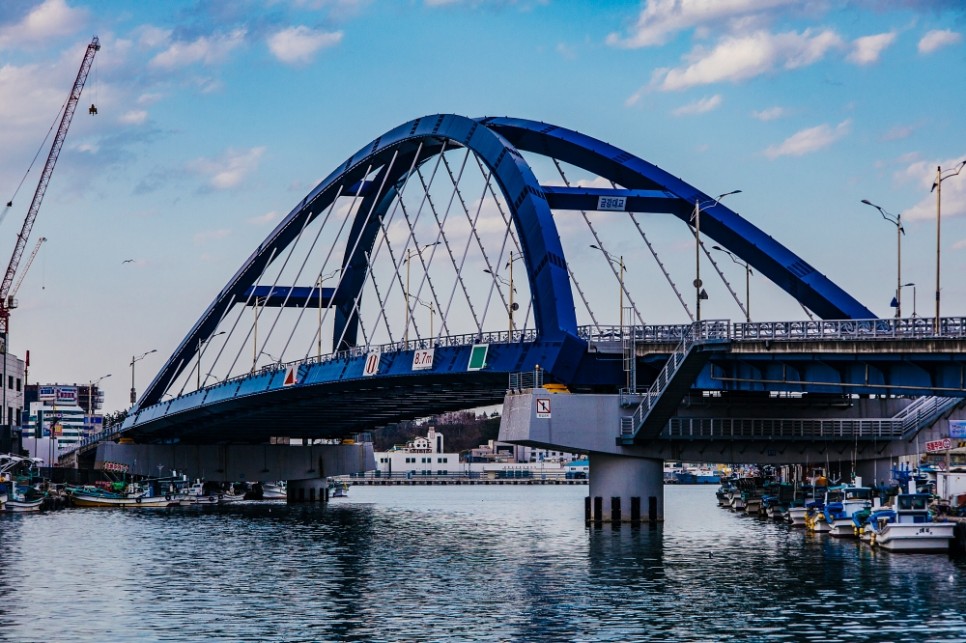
[291, 375]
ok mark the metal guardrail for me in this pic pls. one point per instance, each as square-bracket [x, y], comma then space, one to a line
[526, 380]
[797, 428]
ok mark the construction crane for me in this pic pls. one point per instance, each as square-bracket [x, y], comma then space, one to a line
[12, 297]
[28, 223]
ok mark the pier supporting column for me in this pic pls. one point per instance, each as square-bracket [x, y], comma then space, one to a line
[311, 490]
[874, 472]
[625, 489]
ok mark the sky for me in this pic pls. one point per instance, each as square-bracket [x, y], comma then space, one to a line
[216, 118]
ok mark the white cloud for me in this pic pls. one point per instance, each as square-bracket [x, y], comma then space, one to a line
[50, 19]
[134, 117]
[898, 132]
[634, 98]
[739, 58]
[230, 170]
[769, 114]
[937, 38]
[298, 44]
[809, 140]
[953, 189]
[150, 37]
[266, 218]
[699, 106]
[205, 50]
[659, 20]
[866, 50]
[210, 235]
[148, 99]
[566, 51]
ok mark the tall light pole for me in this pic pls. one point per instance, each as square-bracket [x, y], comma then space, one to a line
[620, 283]
[202, 344]
[318, 284]
[509, 285]
[747, 268]
[135, 360]
[90, 398]
[432, 313]
[410, 252]
[938, 187]
[913, 296]
[699, 292]
[896, 220]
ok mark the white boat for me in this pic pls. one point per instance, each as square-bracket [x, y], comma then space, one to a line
[909, 527]
[841, 505]
[339, 490]
[134, 497]
[196, 495]
[274, 491]
[15, 505]
[796, 515]
[16, 501]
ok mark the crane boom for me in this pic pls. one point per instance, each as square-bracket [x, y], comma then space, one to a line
[55, 148]
[23, 273]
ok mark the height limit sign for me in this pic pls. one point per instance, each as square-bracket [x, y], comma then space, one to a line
[543, 407]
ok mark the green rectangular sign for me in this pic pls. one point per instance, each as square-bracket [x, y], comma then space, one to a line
[478, 357]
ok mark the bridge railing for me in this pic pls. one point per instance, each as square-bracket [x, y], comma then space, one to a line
[851, 329]
[787, 428]
[526, 380]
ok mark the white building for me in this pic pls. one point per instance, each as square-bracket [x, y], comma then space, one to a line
[426, 456]
[12, 389]
[57, 415]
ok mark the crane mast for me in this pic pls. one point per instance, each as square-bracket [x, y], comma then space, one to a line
[28, 223]
[11, 298]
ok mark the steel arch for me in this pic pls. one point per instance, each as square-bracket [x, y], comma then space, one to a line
[554, 313]
[497, 142]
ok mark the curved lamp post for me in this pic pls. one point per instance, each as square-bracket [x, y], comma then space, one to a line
[135, 360]
[699, 292]
[937, 187]
[896, 220]
[748, 273]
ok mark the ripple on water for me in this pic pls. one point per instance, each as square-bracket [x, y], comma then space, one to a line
[459, 563]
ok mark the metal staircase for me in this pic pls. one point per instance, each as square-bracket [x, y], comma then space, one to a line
[673, 381]
[923, 412]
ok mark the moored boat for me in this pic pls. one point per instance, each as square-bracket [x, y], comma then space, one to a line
[839, 509]
[133, 498]
[908, 527]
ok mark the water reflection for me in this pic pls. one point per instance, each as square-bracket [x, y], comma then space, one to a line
[459, 563]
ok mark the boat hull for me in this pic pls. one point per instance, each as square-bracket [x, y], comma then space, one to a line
[916, 537]
[20, 506]
[141, 502]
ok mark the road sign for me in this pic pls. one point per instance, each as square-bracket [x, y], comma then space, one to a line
[957, 428]
[477, 357]
[543, 407]
[372, 363]
[291, 375]
[423, 360]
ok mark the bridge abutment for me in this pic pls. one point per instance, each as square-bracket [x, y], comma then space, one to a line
[311, 490]
[625, 489]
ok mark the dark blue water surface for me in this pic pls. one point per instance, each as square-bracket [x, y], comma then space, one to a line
[467, 563]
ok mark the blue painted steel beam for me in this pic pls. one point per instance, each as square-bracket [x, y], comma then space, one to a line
[615, 200]
[288, 296]
[789, 271]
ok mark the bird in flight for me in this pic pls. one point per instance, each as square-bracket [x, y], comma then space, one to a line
[128, 261]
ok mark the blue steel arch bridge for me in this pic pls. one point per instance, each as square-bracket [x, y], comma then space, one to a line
[450, 253]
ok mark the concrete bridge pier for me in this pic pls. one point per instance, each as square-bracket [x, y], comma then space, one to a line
[875, 471]
[625, 489]
[311, 490]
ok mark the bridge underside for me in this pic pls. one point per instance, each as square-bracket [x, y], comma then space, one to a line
[334, 410]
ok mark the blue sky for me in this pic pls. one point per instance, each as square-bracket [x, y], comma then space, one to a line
[216, 118]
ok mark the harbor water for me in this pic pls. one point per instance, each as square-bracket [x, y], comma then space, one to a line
[464, 563]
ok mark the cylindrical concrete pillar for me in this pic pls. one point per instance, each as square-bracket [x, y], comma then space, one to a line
[311, 490]
[618, 482]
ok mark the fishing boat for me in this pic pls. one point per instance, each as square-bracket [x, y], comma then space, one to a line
[339, 489]
[274, 491]
[839, 510]
[16, 498]
[908, 527]
[134, 496]
[200, 494]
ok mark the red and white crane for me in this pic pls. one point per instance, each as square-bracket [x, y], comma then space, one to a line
[6, 299]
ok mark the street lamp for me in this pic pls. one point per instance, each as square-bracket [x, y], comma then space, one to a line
[896, 220]
[938, 187]
[202, 344]
[432, 313]
[913, 296]
[509, 284]
[620, 282]
[748, 274]
[318, 284]
[90, 399]
[700, 293]
[135, 360]
[410, 252]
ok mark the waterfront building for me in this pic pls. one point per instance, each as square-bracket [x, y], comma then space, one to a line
[426, 456]
[12, 394]
[56, 412]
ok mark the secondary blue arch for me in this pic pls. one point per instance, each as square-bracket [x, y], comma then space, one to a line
[772, 259]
